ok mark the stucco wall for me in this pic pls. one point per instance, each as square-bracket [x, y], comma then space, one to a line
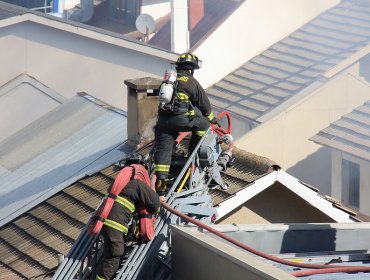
[255, 26]
[156, 8]
[69, 63]
[285, 138]
[254, 211]
[196, 255]
[336, 187]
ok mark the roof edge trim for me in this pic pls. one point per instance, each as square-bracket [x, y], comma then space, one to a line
[347, 62]
[327, 207]
[245, 194]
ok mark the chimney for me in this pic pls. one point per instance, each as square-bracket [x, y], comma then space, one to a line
[142, 106]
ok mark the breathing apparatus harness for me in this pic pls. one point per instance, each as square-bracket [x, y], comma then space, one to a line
[169, 98]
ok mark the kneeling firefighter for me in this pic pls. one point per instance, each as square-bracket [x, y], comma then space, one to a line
[188, 109]
[115, 226]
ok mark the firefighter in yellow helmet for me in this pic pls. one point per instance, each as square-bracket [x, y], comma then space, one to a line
[114, 232]
[190, 111]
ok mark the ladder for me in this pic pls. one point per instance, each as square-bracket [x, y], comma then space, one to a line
[152, 260]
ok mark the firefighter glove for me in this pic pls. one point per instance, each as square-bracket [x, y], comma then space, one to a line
[215, 121]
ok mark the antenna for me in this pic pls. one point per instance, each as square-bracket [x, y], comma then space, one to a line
[145, 24]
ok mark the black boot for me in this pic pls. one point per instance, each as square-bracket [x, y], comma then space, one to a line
[194, 140]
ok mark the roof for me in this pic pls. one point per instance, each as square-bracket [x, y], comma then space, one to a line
[350, 134]
[215, 12]
[76, 138]
[296, 65]
[23, 100]
[315, 244]
[32, 241]
[8, 10]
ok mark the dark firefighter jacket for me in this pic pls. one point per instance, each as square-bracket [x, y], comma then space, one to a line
[128, 202]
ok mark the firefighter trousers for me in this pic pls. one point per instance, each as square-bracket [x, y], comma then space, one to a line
[114, 247]
[167, 130]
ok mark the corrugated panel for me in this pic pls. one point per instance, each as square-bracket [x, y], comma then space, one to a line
[51, 129]
[350, 134]
[292, 64]
[90, 139]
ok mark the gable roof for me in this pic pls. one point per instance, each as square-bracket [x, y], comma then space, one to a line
[350, 134]
[296, 65]
[75, 139]
[23, 100]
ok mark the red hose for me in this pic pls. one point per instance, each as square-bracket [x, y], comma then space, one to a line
[259, 253]
[346, 269]
[219, 130]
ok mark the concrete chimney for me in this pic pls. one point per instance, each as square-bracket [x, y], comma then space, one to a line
[142, 107]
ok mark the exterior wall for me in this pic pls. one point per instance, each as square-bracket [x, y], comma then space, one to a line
[285, 137]
[69, 4]
[179, 26]
[156, 8]
[69, 63]
[336, 188]
[196, 255]
[254, 211]
[255, 26]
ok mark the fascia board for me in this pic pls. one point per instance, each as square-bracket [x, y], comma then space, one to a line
[92, 34]
[347, 62]
[12, 20]
[313, 198]
[245, 194]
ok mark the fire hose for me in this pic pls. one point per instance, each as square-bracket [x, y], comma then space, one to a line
[315, 268]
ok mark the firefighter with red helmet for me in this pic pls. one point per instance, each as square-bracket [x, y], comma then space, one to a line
[189, 110]
[116, 225]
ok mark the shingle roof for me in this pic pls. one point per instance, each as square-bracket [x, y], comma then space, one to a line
[350, 134]
[291, 65]
[31, 243]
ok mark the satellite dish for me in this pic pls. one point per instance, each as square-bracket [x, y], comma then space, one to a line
[145, 23]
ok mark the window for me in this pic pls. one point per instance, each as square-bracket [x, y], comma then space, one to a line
[124, 11]
[38, 5]
[350, 183]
